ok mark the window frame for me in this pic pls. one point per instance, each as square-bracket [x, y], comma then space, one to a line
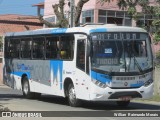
[44, 47]
[49, 36]
[25, 39]
[83, 69]
[8, 48]
[45, 36]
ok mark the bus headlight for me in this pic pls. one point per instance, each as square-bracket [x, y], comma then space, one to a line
[98, 83]
[148, 82]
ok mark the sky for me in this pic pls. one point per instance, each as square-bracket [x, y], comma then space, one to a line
[22, 7]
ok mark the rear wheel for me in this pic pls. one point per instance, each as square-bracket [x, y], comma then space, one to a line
[123, 103]
[71, 94]
[26, 89]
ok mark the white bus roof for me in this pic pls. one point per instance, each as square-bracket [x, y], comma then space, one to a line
[86, 29]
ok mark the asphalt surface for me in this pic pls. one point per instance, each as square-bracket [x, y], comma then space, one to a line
[14, 101]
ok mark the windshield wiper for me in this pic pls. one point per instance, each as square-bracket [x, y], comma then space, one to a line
[124, 57]
[136, 62]
[138, 66]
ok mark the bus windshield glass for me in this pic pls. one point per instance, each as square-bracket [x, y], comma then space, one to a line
[121, 52]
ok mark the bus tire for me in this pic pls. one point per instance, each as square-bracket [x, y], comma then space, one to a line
[73, 101]
[123, 103]
[26, 89]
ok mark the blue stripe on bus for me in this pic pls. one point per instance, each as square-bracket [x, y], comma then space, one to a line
[136, 85]
[21, 73]
[56, 66]
[98, 30]
[59, 30]
[100, 77]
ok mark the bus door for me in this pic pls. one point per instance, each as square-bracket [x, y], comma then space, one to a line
[82, 78]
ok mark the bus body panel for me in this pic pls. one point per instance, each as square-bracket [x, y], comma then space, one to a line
[48, 76]
[99, 94]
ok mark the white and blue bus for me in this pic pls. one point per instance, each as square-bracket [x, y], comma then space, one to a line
[93, 63]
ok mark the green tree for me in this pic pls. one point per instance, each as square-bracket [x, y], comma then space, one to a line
[154, 11]
[156, 24]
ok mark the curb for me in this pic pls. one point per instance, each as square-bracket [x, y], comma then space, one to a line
[146, 101]
[4, 86]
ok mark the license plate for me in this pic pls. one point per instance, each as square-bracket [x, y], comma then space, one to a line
[125, 98]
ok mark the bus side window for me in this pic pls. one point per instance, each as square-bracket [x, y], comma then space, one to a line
[6, 51]
[66, 47]
[51, 47]
[38, 47]
[14, 48]
[26, 45]
[80, 62]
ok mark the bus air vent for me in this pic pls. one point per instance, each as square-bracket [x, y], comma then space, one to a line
[125, 78]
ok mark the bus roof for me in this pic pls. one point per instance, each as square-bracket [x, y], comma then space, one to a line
[86, 29]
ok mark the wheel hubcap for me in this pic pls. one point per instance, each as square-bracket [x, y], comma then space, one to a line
[72, 95]
[25, 88]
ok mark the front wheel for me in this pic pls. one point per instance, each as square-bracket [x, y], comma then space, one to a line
[123, 103]
[73, 101]
[26, 89]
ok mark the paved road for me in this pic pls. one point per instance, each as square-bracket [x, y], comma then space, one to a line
[14, 100]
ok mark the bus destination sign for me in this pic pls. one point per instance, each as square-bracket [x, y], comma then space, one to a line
[116, 36]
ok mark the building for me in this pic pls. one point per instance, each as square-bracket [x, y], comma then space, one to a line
[16, 23]
[95, 12]
[109, 13]
[40, 7]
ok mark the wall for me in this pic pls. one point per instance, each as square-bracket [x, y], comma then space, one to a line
[48, 10]
[1, 70]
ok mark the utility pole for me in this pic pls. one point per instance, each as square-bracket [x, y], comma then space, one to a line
[72, 13]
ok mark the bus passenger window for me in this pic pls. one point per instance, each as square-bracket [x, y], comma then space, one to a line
[80, 62]
[38, 47]
[7, 53]
[26, 45]
[51, 47]
[14, 48]
[66, 46]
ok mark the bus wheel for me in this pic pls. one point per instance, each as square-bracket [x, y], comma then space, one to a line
[73, 101]
[123, 103]
[26, 89]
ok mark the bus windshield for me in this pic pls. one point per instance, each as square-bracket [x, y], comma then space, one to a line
[121, 52]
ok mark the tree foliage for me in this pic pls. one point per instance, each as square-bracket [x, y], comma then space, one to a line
[130, 6]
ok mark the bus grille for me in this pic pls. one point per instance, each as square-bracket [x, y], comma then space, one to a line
[125, 78]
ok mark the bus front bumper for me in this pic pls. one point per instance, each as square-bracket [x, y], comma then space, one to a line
[108, 94]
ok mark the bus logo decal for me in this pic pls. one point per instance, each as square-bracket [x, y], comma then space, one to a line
[56, 72]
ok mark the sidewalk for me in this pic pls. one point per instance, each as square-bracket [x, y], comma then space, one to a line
[146, 101]
[3, 86]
